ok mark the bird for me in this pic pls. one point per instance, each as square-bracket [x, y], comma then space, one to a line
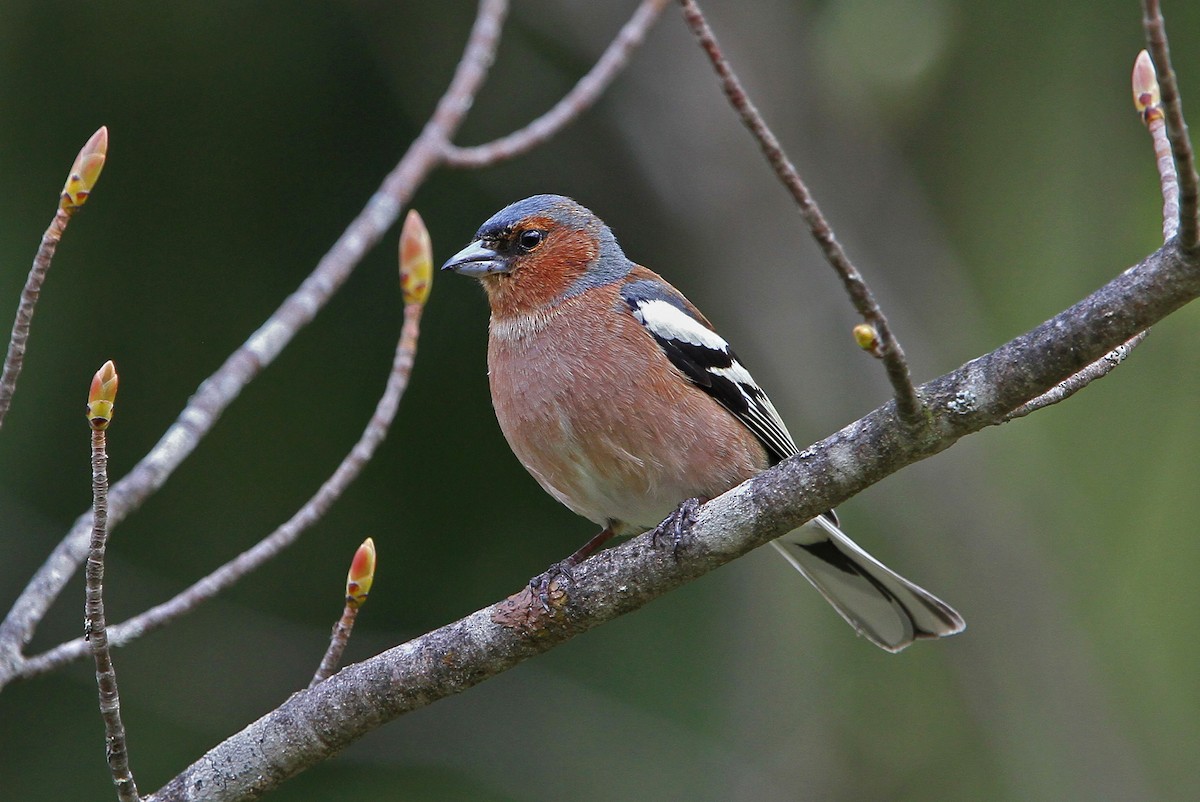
[621, 399]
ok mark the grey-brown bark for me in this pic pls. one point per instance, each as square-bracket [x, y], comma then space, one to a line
[315, 724]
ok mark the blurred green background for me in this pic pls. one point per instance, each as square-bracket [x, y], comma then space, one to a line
[981, 162]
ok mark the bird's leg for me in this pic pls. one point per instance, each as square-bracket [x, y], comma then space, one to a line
[540, 584]
[587, 549]
[677, 524]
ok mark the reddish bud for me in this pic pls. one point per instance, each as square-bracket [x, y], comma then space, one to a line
[85, 171]
[362, 574]
[416, 259]
[102, 396]
[1146, 97]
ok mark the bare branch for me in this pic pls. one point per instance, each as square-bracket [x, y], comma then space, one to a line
[81, 180]
[15, 358]
[100, 408]
[337, 645]
[358, 586]
[574, 103]
[220, 389]
[907, 401]
[270, 546]
[1181, 145]
[1076, 382]
[313, 725]
[1147, 100]
[429, 150]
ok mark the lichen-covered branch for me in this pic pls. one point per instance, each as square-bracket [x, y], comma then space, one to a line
[315, 724]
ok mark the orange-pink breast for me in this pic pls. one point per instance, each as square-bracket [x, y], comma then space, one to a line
[603, 421]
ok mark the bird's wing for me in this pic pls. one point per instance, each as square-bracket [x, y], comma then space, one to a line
[706, 359]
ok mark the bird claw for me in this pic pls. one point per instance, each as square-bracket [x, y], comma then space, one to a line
[676, 526]
[547, 588]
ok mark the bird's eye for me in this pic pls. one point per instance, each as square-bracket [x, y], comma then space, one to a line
[528, 240]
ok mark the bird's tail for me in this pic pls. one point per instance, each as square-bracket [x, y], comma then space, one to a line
[881, 605]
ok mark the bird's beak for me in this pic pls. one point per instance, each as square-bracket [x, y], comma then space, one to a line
[477, 260]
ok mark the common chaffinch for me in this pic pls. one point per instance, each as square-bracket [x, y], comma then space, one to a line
[622, 401]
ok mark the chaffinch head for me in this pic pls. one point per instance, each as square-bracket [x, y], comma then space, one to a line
[622, 401]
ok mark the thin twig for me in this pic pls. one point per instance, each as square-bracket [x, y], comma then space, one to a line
[81, 180]
[15, 357]
[1148, 102]
[574, 103]
[312, 511]
[1168, 178]
[1181, 146]
[220, 389]
[1147, 99]
[1076, 382]
[96, 633]
[358, 586]
[337, 645]
[908, 404]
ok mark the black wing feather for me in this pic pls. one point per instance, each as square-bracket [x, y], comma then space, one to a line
[706, 359]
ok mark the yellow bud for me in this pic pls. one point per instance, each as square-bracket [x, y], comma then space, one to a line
[85, 171]
[102, 396]
[1146, 97]
[416, 259]
[362, 574]
[867, 338]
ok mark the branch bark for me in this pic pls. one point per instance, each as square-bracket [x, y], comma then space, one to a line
[315, 724]
[1177, 130]
[431, 149]
[217, 392]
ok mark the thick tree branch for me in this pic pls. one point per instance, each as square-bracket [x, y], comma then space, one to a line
[315, 724]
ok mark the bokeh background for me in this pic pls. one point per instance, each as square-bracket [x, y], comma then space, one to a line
[981, 162]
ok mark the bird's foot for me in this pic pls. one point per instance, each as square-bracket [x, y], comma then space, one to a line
[677, 526]
[533, 606]
[546, 592]
[548, 588]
